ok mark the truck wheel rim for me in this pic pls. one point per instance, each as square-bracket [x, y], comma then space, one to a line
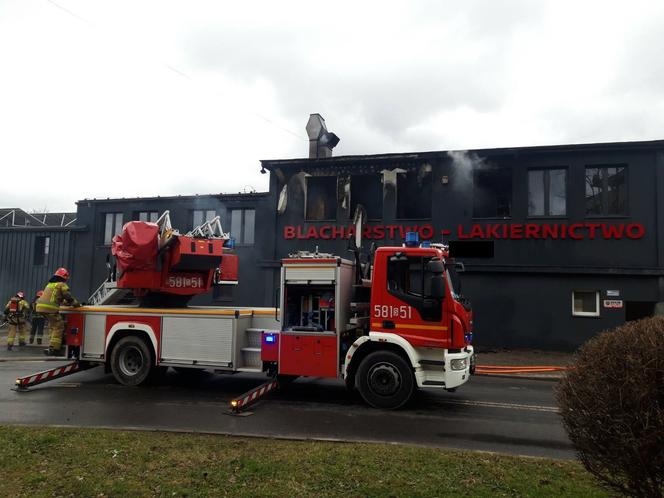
[384, 379]
[131, 361]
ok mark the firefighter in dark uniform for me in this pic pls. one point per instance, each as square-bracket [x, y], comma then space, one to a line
[15, 311]
[55, 294]
[38, 320]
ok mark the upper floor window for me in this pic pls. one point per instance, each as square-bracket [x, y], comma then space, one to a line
[547, 192]
[606, 190]
[368, 191]
[149, 216]
[414, 194]
[321, 198]
[112, 226]
[492, 193]
[41, 250]
[243, 224]
[200, 216]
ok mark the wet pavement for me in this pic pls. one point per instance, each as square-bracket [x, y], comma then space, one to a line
[507, 415]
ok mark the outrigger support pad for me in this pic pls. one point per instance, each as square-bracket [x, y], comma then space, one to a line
[250, 397]
[24, 383]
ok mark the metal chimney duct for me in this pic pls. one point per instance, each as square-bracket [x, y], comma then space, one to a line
[321, 141]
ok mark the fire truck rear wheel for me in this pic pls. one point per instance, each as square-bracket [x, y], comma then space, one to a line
[131, 361]
[385, 380]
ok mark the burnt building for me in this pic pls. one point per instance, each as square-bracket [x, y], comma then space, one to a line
[559, 242]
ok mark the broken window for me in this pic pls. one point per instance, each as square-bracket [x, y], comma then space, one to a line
[492, 193]
[606, 190]
[368, 191]
[414, 194]
[547, 192]
[321, 198]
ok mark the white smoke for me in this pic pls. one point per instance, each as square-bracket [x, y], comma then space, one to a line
[463, 164]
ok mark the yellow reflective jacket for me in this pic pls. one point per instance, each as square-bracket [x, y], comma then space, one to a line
[55, 294]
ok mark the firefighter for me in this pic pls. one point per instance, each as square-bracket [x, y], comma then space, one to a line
[15, 312]
[55, 294]
[38, 320]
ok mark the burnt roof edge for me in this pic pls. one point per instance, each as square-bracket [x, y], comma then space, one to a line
[633, 145]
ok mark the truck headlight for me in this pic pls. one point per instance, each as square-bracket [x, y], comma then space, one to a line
[459, 364]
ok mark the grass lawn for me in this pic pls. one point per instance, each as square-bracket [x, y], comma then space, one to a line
[93, 463]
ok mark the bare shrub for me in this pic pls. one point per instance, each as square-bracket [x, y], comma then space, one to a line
[612, 405]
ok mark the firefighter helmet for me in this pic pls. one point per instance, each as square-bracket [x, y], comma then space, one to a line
[61, 272]
[20, 294]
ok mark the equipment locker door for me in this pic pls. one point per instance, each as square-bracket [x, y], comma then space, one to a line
[312, 355]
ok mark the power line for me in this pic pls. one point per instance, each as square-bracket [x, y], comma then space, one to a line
[182, 74]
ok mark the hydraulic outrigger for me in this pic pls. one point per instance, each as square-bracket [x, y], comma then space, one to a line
[24, 383]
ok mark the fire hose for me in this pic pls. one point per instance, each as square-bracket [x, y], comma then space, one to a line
[514, 369]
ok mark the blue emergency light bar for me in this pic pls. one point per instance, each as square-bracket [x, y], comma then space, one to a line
[412, 239]
[269, 338]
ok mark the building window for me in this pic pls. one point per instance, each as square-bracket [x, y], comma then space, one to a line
[606, 190]
[148, 216]
[585, 303]
[492, 193]
[414, 195]
[200, 216]
[368, 191]
[243, 223]
[321, 198]
[112, 226]
[41, 250]
[547, 192]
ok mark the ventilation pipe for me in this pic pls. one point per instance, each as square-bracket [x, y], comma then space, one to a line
[321, 141]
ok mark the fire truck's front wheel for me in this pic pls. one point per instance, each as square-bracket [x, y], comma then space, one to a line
[385, 380]
[131, 361]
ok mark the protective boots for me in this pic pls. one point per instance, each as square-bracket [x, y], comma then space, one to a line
[52, 352]
[9, 347]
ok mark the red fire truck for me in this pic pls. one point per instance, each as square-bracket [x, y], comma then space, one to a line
[385, 327]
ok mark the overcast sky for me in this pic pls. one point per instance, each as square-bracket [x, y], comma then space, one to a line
[131, 98]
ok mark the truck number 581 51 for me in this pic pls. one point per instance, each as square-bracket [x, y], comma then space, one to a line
[387, 311]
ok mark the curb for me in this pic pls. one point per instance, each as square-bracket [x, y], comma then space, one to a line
[276, 437]
[34, 358]
[521, 376]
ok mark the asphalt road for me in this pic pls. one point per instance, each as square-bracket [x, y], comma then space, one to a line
[504, 415]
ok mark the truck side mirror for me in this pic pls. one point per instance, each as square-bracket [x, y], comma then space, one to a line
[437, 286]
[435, 266]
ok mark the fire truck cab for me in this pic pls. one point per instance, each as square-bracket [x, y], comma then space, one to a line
[405, 328]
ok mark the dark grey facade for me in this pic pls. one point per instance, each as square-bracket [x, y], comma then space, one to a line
[23, 263]
[559, 242]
